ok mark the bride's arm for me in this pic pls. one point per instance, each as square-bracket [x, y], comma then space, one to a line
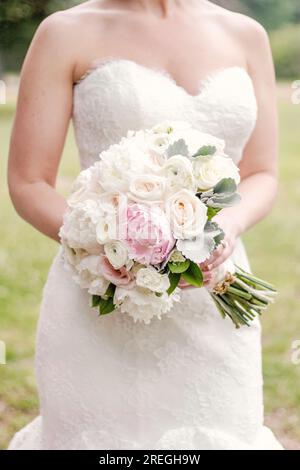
[41, 123]
[258, 167]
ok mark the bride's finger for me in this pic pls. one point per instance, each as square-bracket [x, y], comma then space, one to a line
[215, 254]
[223, 257]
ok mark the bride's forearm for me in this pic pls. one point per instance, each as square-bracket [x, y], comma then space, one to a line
[258, 192]
[39, 204]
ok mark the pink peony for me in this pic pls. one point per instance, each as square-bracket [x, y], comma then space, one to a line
[148, 235]
[119, 277]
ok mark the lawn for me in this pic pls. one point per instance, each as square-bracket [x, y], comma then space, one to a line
[274, 251]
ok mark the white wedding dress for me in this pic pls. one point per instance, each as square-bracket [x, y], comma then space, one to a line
[191, 381]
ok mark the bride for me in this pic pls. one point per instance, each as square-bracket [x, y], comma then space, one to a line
[191, 381]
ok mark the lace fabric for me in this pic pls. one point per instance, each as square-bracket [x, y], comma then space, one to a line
[188, 381]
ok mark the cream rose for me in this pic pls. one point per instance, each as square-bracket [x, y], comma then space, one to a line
[186, 213]
[209, 170]
[146, 188]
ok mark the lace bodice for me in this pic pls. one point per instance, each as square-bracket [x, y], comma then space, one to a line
[118, 94]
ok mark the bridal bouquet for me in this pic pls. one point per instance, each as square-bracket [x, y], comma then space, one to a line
[140, 221]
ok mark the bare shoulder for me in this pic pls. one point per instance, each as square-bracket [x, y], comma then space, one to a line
[65, 35]
[246, 31]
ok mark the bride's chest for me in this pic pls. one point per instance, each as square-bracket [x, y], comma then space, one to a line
[120, 95]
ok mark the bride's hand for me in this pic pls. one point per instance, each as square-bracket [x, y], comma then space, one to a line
[226, 247]
[223, 251]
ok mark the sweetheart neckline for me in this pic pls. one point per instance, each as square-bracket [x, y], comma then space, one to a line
[202, 86]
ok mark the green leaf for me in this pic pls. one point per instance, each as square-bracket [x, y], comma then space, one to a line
[212, 211]
[95, 300]
[106, 306]
[110, 291]
[193, 275]
[205, 151]
[224, 201]
[174, 279]
[225, 186]
[178, 147]
[179, 267]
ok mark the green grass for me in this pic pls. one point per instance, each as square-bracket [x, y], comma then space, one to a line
[274, 252]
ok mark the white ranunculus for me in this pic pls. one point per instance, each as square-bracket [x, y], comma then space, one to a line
[79, 227]
[150, 278]
[142, 304]
[147, 188]
[187, 214]
[116, 253]
[208, 171]
[179, 173]
[220, 272]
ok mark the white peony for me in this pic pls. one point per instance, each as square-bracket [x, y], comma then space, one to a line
[119, 164]
[116, 253]
[86, 186]
[80, 222]
[150, 278]
[179, 173]
[88, 275]
[187, 214]
[209, 170]
[142, 304]
[147, 188]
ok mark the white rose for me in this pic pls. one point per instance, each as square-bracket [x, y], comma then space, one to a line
[147, 188]
[150, 278]
[179, 173]
[79, 227]
[186, 213]
[117, 253]
[208, 171]
[142, 304]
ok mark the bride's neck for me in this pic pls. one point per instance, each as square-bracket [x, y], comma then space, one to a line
[163, 7]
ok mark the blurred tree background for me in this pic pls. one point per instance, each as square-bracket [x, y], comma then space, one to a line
[19, 19]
